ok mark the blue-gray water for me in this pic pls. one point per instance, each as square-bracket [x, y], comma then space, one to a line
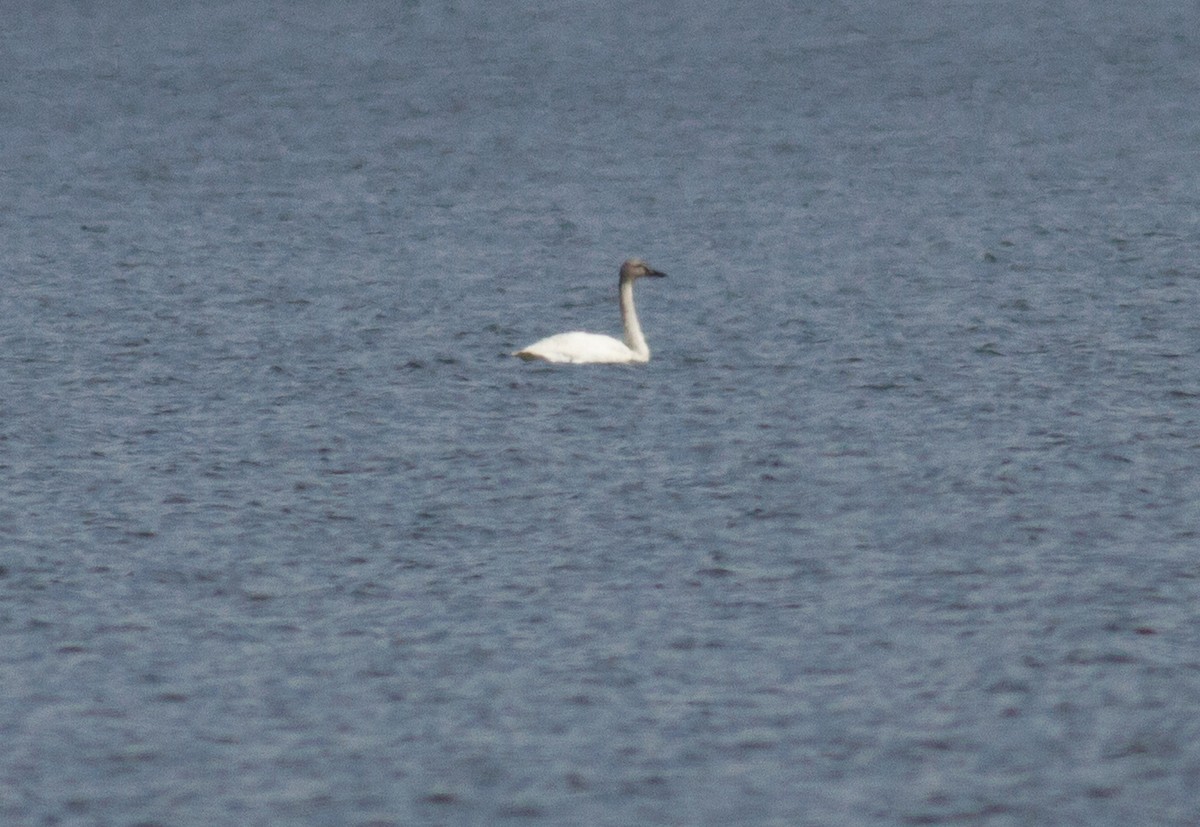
[901, 524]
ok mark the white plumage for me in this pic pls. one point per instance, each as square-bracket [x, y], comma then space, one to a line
[593, 348]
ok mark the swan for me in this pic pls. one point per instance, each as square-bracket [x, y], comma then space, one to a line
[593, 348]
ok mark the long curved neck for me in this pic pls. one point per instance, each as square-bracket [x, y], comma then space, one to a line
[633, 331]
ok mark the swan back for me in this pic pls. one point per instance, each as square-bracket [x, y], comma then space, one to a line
[581, 348]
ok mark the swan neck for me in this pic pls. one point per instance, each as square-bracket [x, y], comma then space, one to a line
[634, 338]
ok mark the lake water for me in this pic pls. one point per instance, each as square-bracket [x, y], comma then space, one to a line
[899, 526]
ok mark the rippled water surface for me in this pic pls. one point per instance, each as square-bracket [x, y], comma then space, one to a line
[899, 526]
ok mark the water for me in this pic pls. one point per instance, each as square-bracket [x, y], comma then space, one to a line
[897, 527]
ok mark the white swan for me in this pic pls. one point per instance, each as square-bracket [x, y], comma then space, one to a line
[593, 348]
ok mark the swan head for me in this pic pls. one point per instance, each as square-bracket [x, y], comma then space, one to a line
[635, 268]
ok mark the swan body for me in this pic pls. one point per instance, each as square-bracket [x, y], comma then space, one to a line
[593, 348]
